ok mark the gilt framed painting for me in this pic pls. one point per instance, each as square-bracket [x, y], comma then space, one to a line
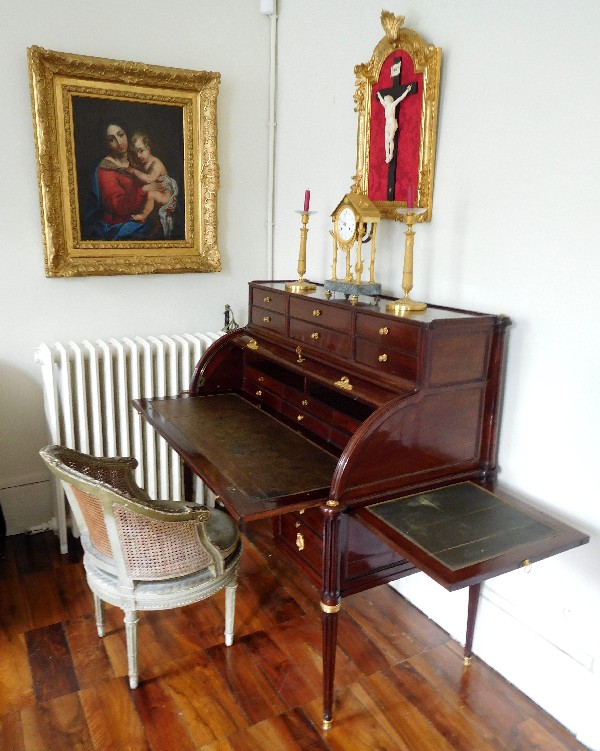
[397, 96]
[127, 165]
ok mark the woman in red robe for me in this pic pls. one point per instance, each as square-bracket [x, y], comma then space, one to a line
[116, 195]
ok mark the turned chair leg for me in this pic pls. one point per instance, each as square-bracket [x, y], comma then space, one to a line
[131, 621]
[230, 611]
[99, 610]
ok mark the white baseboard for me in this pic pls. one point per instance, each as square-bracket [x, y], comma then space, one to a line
[563, 681]
[28, 507]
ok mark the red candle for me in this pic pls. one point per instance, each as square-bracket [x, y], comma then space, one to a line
[409, 202]
[306, 199]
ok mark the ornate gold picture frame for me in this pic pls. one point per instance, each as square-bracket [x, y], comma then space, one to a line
[397, 96]
[127, 165]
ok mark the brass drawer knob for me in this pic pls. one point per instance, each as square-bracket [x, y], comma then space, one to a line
[259, 393]
[266, 319]
[315, 335]
[382, 358]
[384, 331]
[266, 299]
[261, 379]
[317, 312]
[300, 541]
[305, 402]
[300, 418]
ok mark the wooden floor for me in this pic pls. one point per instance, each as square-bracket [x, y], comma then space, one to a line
[400, 681]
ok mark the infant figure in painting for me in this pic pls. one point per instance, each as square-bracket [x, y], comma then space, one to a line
[161, 190]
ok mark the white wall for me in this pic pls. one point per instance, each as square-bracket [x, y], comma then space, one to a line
[514, 230]
[230, 37]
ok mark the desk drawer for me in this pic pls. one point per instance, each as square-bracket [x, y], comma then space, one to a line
[385, 360]
[269, 300]
[330, 341]
[318, 311]
[267, 319]
[332, 417]
[389, 333]
[263, 396]
[365, 558]
[311, 518]
[271, 374]
[302, 541]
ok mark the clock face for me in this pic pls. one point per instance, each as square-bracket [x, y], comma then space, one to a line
[346, 224]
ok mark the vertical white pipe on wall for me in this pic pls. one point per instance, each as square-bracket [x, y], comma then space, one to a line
[269, 8]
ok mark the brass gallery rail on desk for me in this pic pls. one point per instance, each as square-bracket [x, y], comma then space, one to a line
[319, 408]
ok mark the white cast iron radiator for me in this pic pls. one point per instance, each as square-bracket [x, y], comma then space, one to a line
[88, 388]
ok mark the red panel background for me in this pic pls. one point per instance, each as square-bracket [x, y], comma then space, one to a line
[409, 133]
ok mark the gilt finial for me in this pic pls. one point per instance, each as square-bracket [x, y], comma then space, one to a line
[391, 25]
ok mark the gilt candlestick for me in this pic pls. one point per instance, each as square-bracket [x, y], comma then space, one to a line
[301, 285]
[405, 304]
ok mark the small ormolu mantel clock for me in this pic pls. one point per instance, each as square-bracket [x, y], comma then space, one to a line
[351, 218]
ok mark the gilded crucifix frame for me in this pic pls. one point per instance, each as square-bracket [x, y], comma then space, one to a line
[397, 100]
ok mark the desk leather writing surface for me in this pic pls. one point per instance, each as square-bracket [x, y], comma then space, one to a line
[259, 462]
[461, 524]
[462, 534]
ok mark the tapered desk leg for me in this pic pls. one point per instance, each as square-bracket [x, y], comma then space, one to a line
[330, 603]
[474, 590]
[329, 620]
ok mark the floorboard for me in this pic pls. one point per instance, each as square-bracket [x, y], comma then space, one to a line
[400, 680]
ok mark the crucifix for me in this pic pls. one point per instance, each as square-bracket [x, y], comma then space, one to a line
[390, 99]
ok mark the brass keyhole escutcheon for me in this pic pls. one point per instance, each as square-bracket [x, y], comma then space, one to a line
[382, 358]
[316, 312]
[266, 299]
[266, 319]
[315, 335]
[384, 330]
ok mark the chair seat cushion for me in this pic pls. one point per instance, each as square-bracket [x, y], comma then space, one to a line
[159, 595]
[222, 531]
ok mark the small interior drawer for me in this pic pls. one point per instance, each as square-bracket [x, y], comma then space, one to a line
[268, 319]
[385, 359]
[388, 332]
[321, 313]
[269, 300]
[317, 336]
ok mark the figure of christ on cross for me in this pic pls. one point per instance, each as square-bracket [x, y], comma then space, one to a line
[390, 99]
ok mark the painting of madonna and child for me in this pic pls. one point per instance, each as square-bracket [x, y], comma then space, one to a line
[129, 162]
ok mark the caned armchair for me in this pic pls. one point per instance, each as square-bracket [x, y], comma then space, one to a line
[141, 554]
